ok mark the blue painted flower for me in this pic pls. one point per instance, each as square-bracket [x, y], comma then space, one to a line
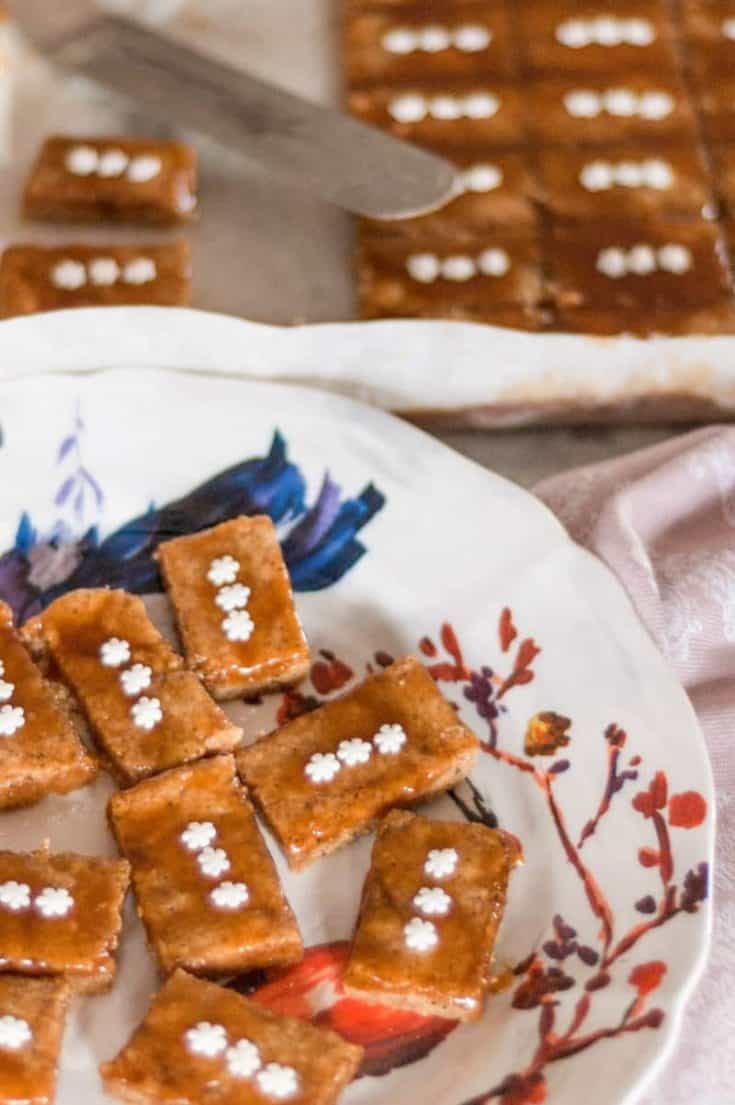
[320, 545]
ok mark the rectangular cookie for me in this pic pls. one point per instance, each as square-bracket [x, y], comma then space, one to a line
[325, 777]
[199, 1043]
[596, 110]
[41, 751]
[487, 112]
[431, 907]
[493, 191]
[433, 278]
[615, 182]
[61, 915]
[32, 1015]
[420, 43]
[572, 37]
[643, 267]
[234, 606]
[51, 278]
[112, 180]
[206, 887]
[145, 712]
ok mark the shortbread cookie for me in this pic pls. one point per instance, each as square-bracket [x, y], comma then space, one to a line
[592, 36]
[199, 1043]
[232, 597]
[431, 907]
[41, 751]
[112, 179]
[40, 278]
[468, 39]
[32, 1014]
[61, 915]
[145, 712]
[325, 777]
[206, 887]
[431, 279]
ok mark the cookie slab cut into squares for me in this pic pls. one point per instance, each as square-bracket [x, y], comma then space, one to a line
[60, 915]
[112, 179]
[420, 43]
[41, 751]
[603, 109]
[50, 278]
[325, 777]
[146, 713]
[485, 112]
[593, 36]
[200, 1043]
[206, 887]
[493, 190]
[431, 907]
[613, 182]
[234, 606]
[432, 278]
[32, 1015]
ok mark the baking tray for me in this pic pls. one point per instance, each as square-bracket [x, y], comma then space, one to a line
[269, 253]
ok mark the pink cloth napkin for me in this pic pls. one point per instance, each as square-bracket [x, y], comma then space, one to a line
[664, 520]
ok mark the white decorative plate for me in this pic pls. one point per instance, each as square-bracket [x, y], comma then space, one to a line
[395, 545]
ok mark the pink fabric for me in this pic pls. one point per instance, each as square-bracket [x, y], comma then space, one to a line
[664, 520]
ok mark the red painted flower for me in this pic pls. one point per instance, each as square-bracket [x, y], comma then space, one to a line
[312, 990]
[648, 801]
[687, 810]
[647, 977]
[330, 674]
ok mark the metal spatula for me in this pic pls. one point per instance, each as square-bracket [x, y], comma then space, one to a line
[352, 165]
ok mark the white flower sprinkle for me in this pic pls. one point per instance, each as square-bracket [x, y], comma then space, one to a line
[6, 690]
[278, 1081]
[206, 1039]
[222, 570]
[115, 652]
[12, 718]
[235, 596]
[198, 835]
[420, 936]
[353, 752]
[69, 275]
[112, 163]
[82, 160]
[433, 901]
[213, 862]
[15, 896]
[54, 902]
[15, 1033]
[147, 713]
[104, 271]
[136, 679]
[441, 862]
[390, 739]
[243, 1059]
[230, 895]
[322, 767]
[143, 168]
[238, 626]
[140, 271]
